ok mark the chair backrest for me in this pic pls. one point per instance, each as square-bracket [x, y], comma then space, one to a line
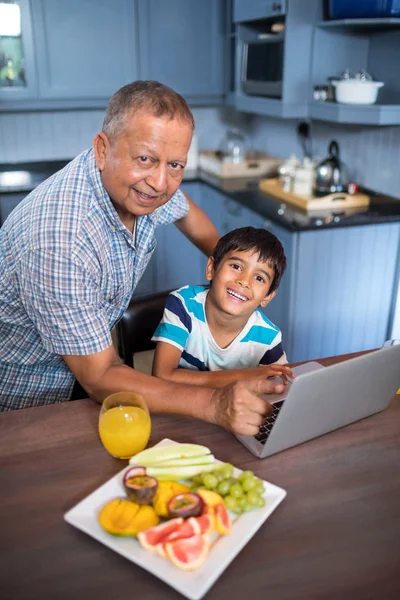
[139, 323]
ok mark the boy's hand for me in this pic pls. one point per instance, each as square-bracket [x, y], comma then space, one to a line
[275, 370]
[238, 407]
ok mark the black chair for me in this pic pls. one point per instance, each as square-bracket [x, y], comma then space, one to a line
[138, 324]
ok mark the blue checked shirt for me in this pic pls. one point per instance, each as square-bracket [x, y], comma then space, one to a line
[68, 268]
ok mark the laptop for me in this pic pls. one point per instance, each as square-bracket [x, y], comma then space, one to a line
[321, 399]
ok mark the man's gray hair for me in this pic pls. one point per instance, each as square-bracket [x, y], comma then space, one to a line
[155, 97]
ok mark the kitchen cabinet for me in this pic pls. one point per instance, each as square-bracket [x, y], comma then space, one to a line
[78, 54]
[177, 261]
[84, 49]
[250, 10]
[186, 52]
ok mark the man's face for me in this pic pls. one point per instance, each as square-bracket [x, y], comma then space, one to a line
[142, 168]
[240, 283]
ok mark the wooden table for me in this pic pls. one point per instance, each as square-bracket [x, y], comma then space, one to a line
[335, 536]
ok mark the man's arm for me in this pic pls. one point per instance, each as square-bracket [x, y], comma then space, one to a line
[236, 407]
[198, 228]
[166, 361]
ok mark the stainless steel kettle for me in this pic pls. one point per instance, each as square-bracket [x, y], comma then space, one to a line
[330, 174]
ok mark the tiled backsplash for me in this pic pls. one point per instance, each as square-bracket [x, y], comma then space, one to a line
[371, 154]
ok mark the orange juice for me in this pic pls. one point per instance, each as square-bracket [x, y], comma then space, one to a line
[124, 430]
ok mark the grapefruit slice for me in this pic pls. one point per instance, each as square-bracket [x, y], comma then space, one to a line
[189, 553]
[155, 535]
[223, 522]
[206, 523]
[188, 529]
[159, 549]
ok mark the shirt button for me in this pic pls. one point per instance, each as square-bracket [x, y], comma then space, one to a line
[108, 297]
[113, 228]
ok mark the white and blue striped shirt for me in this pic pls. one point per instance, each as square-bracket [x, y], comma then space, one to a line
[184, 325]
[68, 269]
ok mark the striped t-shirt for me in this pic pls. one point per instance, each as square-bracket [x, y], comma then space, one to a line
[184, 325]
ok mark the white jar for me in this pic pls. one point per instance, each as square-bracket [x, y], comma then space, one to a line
[287, 172]
[304, 176]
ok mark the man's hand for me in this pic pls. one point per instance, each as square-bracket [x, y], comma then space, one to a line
[238, 407]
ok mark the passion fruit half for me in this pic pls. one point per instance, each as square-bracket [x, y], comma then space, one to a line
[140, 488]
[185, 505]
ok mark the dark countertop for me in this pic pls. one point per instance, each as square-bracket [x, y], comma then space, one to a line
[24, 177]
[382, 208]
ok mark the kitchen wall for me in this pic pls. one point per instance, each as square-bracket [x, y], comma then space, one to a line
[36, 136]
[371, 154]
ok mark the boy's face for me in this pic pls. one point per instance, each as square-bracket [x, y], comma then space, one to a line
[241, 282]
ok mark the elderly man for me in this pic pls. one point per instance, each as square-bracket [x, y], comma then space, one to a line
[72, 253]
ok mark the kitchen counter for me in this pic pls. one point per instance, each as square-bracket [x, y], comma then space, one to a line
[382, 209]
[25, 177]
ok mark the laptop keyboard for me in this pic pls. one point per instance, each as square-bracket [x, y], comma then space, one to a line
[265, 429]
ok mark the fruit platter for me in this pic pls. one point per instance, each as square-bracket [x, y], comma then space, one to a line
[179, 513]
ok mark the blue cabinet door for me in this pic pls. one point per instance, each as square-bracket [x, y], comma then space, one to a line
[343, 289]
[84, 49]
[181, 45]
[178, 261]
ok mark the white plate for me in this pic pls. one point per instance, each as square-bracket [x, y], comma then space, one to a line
[193, 584]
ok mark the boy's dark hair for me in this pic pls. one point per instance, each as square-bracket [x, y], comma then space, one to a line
[264, 242]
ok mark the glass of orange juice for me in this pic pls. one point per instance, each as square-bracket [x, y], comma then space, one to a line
[124, 424]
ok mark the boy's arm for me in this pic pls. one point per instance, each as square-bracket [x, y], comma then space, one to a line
[166, 361]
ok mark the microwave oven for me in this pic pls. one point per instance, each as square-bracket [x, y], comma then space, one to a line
[262, 65]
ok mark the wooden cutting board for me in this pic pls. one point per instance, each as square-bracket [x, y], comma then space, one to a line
[273, 188]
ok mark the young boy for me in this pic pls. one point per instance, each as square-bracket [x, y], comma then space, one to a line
[211, 336]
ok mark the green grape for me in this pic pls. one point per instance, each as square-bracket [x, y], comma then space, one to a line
[238, 509]
[248, 484]
[219, 474]
[230, 502]
[259, 486]
[260, 502]
[236, 490]
[245, 474]
[232, 480]
[253, 498]
[224, 487]
[247, 507]
[194, 488]
[227, 469]
[241, 501]
[210, 481]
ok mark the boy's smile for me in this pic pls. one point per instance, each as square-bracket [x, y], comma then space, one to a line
[240, 283]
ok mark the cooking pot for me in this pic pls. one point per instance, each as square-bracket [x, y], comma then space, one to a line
[330, 174]
[357, 91]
